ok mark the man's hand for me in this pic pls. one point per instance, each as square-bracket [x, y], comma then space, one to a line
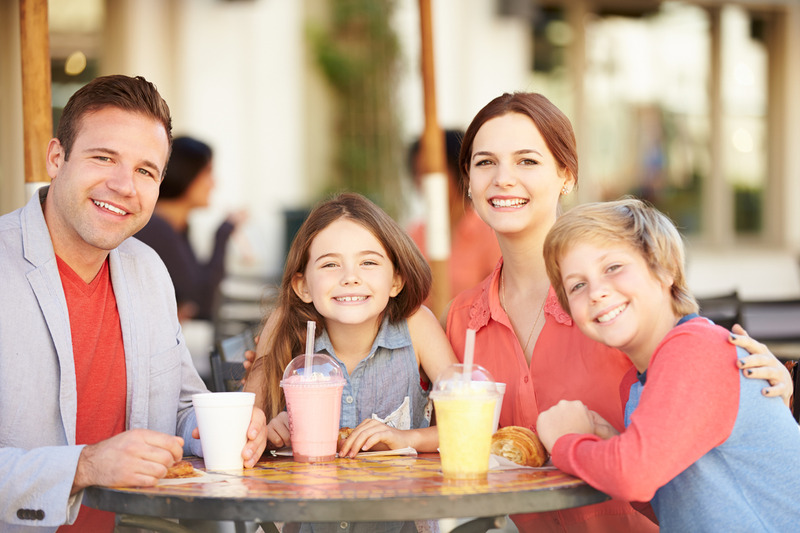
[135, 458]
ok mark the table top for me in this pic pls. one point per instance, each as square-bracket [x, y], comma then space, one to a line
[378, 488]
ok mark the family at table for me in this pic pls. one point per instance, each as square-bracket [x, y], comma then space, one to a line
[97, 379]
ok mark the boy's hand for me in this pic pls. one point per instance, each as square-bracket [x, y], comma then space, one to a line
[601, 427]
[563, 418]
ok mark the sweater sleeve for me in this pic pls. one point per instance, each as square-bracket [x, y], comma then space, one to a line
[688, 406]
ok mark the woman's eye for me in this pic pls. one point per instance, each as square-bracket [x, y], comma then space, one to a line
[529, 162]
[370, 262]
[483, 163]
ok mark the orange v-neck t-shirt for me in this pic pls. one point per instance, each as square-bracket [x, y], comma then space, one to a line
[100, 375]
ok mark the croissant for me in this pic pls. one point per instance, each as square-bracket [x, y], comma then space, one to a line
[519, 445]
[343, 434]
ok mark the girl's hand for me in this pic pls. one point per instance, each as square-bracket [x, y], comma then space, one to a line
[278, 431]
[563, 418]
[761, 364]
[374, 436]
[601, 427]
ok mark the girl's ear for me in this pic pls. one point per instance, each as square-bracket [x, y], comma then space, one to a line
[397, 286]
[300, 287]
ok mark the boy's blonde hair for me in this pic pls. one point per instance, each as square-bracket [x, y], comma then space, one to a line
[628, 221]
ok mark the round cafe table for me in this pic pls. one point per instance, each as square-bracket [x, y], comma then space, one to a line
[375, 488]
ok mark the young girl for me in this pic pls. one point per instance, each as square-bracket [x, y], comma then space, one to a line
[354, 271]
[702, 441]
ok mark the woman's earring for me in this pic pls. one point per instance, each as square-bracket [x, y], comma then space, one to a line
[469, 193]
[564, 191]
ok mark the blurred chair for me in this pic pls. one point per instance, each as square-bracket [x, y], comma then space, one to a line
[725, 309]
[227, 357]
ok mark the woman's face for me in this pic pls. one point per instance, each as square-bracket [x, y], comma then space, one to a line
[199, 192]
[514, 180]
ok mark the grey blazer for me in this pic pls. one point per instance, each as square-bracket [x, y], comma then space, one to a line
[38, 399]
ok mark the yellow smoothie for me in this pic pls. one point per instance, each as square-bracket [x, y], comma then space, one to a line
[465, 419]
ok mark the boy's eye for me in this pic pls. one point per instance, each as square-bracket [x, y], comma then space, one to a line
[613, 268]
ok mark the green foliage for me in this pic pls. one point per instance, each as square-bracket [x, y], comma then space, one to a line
[359, 55]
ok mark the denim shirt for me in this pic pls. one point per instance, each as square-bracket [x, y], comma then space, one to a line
[382, 381]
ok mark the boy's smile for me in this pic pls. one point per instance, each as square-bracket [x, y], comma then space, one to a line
[615, 299]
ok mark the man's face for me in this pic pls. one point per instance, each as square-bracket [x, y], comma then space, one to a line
[107, 189]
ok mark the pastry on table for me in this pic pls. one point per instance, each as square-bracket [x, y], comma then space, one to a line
[519, 445]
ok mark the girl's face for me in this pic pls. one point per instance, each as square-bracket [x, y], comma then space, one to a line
[349, 277]
[514, 180]
[615, 298]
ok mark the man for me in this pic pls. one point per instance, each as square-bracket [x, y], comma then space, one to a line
[96, 377]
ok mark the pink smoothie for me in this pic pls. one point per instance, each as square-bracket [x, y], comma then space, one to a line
[314, 408]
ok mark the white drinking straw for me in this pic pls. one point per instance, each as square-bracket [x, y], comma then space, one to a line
[310, 329]
[469, 354]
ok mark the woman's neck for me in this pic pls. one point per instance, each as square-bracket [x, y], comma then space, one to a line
[175, 212]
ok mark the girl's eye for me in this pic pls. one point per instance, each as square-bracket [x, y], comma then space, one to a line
[327, 265]
[577, 286]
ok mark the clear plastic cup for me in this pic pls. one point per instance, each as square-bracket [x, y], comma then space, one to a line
[465, 412]
[314, 404]
[222, 419]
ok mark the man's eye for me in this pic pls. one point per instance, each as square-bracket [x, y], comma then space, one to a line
[103, 158]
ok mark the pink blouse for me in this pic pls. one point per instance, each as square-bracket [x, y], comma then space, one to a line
[565, 365]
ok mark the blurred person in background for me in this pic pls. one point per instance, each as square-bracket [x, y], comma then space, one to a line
[474, 251]
[187, 185]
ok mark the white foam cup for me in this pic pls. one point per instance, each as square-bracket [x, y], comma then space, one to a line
[222, 419]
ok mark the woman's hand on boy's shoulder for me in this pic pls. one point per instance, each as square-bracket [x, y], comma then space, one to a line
[762, 364]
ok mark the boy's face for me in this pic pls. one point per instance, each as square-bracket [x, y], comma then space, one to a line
[615, 298]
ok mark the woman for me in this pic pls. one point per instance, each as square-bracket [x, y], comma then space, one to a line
[187, 186]
[518, 158]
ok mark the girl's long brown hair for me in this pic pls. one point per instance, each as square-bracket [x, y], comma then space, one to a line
[292, 314]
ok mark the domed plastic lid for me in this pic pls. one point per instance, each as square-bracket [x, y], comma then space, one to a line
[452, 380]
[324, 370]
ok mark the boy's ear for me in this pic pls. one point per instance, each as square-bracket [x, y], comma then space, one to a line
[300, 287]
[397, 286]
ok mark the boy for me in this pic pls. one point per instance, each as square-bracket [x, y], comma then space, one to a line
[701, 441]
